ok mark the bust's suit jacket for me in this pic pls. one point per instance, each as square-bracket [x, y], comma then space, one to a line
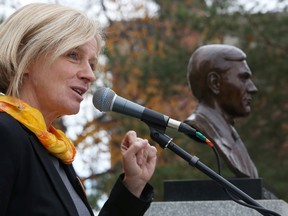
[213, 125]
[30, 184]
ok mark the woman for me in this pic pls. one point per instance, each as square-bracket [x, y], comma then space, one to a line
[47, 57]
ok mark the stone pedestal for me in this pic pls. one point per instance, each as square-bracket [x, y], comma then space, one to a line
[213, 208]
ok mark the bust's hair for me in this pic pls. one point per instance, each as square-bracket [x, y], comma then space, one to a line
[40, 29]
[208, 58]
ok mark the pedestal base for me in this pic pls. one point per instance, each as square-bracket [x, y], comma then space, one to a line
[213, 208]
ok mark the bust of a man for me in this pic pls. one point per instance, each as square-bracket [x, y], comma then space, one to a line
[220, 80]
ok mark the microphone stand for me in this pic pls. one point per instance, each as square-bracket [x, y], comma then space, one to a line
[157, 134]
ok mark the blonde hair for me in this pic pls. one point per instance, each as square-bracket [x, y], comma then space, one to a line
[38, 29]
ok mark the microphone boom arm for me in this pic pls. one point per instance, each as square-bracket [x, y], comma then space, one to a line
[166, 142]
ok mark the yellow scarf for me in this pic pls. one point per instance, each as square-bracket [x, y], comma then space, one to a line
[55, 141]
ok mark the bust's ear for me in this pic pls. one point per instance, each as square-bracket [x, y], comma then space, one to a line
[213, 82]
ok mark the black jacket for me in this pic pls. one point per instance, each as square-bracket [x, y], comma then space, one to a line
[30, 184]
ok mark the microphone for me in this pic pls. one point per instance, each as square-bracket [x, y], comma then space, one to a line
[105, 99]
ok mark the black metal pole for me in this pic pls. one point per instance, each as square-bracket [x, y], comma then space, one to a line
[166, 142]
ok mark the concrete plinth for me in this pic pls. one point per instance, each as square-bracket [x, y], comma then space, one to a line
[213, 208]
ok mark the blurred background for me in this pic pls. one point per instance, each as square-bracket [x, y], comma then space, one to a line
[148, 46]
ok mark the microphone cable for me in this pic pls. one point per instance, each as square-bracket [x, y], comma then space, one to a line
[234, 197]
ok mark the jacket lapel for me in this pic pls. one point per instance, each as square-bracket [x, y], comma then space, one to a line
[77, 184]
[55, 178]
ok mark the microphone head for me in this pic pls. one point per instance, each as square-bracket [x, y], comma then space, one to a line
[103, 99]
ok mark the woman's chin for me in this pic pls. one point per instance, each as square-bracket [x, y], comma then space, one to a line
[73, 110]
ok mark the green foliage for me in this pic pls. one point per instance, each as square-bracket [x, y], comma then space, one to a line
[166, 69]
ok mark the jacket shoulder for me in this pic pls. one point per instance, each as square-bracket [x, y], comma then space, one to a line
[7, 122]
[12, 135]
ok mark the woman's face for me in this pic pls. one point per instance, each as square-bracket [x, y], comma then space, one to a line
[57, 89]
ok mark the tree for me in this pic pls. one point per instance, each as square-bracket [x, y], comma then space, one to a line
[148, 59]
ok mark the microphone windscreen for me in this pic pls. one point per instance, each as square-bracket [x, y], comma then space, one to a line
[103, 99]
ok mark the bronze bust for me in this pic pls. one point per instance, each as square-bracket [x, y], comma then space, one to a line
[220, 80]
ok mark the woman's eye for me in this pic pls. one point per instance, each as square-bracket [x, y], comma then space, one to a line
[92, 66]
[73, 55]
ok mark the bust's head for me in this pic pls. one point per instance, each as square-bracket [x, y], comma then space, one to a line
[219, 74]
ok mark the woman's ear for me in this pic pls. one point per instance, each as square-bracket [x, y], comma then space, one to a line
[28, 68]
[26, 71]
[213, 82]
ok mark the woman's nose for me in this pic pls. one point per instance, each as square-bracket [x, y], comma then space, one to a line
[87, 73]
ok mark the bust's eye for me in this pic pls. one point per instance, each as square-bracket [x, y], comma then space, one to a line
[245, 76]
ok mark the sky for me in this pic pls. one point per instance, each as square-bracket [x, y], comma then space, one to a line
[265, 5]
[261, 5]
[7, 7]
